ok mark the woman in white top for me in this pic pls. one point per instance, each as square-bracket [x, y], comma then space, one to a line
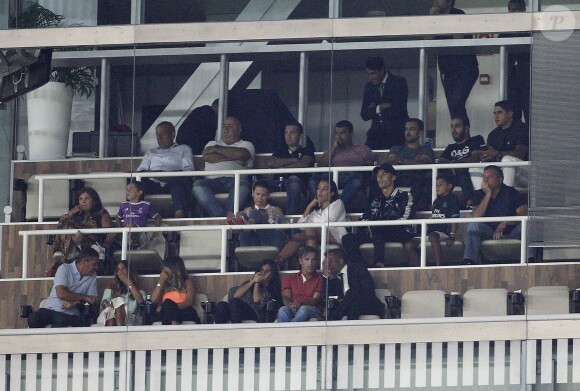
[325, 207]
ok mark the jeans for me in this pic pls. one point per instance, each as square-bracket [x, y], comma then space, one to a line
[204, 191]
[477, 232]
[295, 190]
[350, 182]
[303, 314]
[178, 187]
[457, 88]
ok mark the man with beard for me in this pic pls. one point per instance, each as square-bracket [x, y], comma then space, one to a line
[466, 149]
[412, 152]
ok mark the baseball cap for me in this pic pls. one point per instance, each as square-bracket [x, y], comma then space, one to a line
[386, 167]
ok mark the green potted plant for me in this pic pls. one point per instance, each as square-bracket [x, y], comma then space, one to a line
[49, 107]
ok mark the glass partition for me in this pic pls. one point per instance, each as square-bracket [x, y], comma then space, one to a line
[472, 325]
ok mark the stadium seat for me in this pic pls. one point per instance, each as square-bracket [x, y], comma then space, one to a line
[395, 254]
[148, 259]
[501, 251]
[451, 255]
[548, 300]
[201, 250]
[380, 293]
[485, 302]
[423, 304]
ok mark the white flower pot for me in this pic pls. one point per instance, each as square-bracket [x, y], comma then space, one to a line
[49, 112]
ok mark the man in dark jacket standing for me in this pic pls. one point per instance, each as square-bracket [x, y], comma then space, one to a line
[385, 103]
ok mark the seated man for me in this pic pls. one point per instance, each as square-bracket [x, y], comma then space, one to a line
[169, 156]
[344, 153]
[466, 149]
[495, 199]
[355, 287]
[412, 152]
[390, 204]
[292, 155]
[230, 153]
[506, 143]
[74, 283]
[302, 291]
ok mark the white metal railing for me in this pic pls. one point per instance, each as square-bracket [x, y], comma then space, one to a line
[323, 226]
[237, 173]
[438, 353]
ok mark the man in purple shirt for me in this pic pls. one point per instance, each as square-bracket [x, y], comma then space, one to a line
[343, 153]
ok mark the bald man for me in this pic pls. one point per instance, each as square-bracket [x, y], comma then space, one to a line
[230, 153]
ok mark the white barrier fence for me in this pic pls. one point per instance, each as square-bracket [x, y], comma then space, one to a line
[125, 232]
[501, 353]
[237, 173]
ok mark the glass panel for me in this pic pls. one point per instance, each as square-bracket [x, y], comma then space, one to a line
[378, 8]
[562, 5]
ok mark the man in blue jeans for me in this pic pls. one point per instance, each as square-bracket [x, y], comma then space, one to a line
[230, 153]
[292, 155]
[495, 199]
[302, 291]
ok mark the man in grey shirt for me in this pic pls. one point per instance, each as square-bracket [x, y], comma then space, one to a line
[74, 283]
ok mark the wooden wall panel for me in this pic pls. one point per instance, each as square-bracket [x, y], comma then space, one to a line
[215, 286]
[24, 169]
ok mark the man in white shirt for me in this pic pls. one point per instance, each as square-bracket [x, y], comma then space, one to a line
[230, 153]
[169, 156]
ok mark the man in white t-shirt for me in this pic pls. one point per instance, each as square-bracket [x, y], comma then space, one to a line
[231, 153]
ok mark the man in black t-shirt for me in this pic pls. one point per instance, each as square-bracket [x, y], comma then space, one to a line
[458, 72]
[495, 199]
[506, 143]
[292, 155]
[466, 149]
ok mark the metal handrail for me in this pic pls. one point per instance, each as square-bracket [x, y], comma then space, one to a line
[224, 228]
[260, 171]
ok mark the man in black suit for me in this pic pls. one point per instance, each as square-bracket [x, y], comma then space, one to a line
[385, 103]
[354, 287]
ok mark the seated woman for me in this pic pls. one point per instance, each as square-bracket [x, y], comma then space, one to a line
[174, 294]
[261, 213]
[87, 212]
[121, 300]
[249, 300]
[324, 208]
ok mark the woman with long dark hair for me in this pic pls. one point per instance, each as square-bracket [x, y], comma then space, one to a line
[249, 301]
[174, 294]
[325, 207]
[87, 213]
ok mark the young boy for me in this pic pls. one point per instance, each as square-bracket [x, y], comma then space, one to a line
[134, 213]
[445, 206]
